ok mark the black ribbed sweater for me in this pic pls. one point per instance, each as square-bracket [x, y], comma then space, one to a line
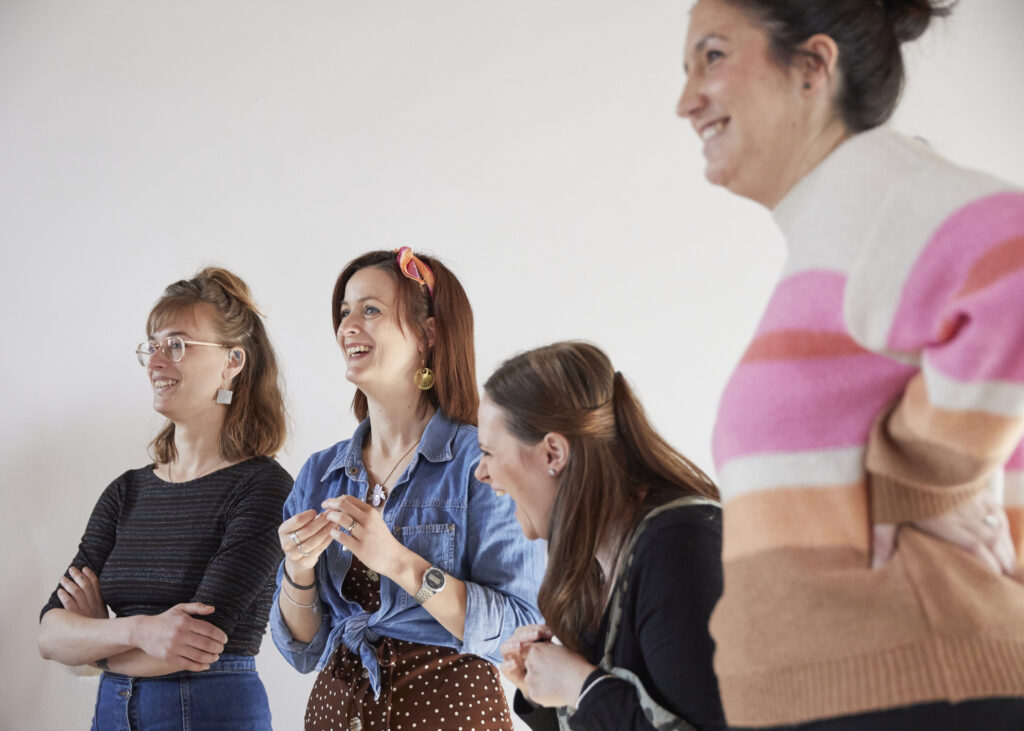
[155, 544]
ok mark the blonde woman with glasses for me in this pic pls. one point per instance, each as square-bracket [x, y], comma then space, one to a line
[184, 550]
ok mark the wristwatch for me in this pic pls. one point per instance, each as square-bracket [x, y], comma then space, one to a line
[434, 580]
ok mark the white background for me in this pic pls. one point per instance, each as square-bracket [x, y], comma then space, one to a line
[530, 144]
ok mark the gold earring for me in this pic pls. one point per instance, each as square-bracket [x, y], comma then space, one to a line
[423, 378]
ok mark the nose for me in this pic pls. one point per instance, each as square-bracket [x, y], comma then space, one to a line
[481, 472]
[348, 326]
[690, 99]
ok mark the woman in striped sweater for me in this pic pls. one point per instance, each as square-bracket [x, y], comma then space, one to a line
[868, 443]
[184, 550]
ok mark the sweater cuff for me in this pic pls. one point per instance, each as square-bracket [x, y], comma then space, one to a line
[898, 501]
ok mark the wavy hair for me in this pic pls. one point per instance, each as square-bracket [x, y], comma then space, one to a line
[619, 467]
[255, 423]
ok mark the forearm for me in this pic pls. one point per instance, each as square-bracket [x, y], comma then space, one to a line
[139, 664]
[448, 606]
[72, 639]
[303, 623]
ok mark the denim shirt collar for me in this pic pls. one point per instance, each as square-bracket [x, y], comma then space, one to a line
[435, 445]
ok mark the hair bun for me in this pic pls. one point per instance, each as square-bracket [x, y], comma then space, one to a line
[910, 18]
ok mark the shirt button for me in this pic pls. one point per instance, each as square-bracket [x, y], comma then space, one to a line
[365, 673]
[355, 724]
[353, 471]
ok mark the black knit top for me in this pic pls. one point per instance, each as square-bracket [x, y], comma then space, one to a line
[155, 544]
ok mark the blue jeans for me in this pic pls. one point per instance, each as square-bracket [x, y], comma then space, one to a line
[227, 697]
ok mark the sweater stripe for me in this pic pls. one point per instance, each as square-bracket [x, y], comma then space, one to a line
[830, 516]
[798, 469]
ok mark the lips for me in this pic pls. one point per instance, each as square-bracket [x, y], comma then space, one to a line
[712, 129]
[356, 351]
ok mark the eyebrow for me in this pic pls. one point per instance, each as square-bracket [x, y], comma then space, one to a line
[363, 299]
[151, 336]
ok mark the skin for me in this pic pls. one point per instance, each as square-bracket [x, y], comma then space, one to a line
[547, 673]
[82, 632]
[773, 125]
[369, 320]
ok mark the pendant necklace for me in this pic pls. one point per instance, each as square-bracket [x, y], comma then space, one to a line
[380, 493]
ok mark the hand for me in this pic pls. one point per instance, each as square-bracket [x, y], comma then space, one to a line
[513, 652]
[313, 534]
[554, 675]
[369, 539]
[180, 638]
[968, 526]
[81, 594]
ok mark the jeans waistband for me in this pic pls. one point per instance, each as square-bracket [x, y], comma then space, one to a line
[226, 664]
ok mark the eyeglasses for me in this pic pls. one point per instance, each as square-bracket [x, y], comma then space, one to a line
[174, 348]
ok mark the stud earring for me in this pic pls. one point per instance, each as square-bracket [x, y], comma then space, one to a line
[551, 471]
[423, 378]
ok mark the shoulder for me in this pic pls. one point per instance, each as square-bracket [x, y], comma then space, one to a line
[265, 471]
[681, 530]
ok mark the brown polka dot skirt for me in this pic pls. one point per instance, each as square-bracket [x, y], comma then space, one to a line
[423, 687]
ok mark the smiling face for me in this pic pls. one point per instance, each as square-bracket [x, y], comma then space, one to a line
[516, 469]
[378, 353]
[186, 391]
[748, 110]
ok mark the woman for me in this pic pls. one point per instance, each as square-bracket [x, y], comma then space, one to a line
[401, 571]
[563, 435]
[184, 550]
[883, 390]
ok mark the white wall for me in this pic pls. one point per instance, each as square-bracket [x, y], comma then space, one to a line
[531, 144]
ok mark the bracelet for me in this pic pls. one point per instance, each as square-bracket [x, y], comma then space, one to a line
[314, 605]
[586, 690]
[291, 581]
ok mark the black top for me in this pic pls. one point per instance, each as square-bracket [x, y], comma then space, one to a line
[155, 544]
[673, 584]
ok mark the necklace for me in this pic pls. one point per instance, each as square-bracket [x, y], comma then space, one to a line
[204, 471]
[380, 493]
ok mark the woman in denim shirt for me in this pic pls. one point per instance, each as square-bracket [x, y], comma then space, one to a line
[401, 570]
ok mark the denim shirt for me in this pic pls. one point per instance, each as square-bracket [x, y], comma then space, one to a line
[440, 511]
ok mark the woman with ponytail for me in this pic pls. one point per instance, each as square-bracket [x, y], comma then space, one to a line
[868, 444]
[184, 550]
[634, 537]
[402, 572]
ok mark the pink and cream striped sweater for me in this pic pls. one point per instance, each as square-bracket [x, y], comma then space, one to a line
[884, 383]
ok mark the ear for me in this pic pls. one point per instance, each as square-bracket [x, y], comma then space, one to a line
[556, 452]
[819, 62]
[430, 330]
[235, 363]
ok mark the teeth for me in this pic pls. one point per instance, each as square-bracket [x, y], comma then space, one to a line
[358, 349]
[711, 130]
[499, 493]
[163, 383]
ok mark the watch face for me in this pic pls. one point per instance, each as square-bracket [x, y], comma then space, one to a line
[434, 578]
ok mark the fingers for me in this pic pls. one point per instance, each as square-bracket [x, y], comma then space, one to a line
[195, 608]
[304, 543]
[883, 543]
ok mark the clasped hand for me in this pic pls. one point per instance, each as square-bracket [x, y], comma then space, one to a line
[978, 525]
[548, 674]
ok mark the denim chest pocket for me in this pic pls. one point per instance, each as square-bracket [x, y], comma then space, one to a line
[434, 542]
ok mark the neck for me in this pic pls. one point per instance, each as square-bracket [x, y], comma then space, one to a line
[198, 447]
[819, 146]
[394, 426]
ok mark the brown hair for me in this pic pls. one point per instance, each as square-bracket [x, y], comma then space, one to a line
[619, 467]
[255, 422]
[451, 357]
[868, 33]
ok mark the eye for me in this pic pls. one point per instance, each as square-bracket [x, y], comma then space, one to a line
[711, 55]
[371, 310]
[345, 313]
[174, 344]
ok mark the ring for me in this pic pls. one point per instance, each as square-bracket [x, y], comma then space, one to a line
[990, 520]
[295, 538]
[352, 527]
[303, 551]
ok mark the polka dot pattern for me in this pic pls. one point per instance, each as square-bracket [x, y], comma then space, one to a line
[423, 687]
